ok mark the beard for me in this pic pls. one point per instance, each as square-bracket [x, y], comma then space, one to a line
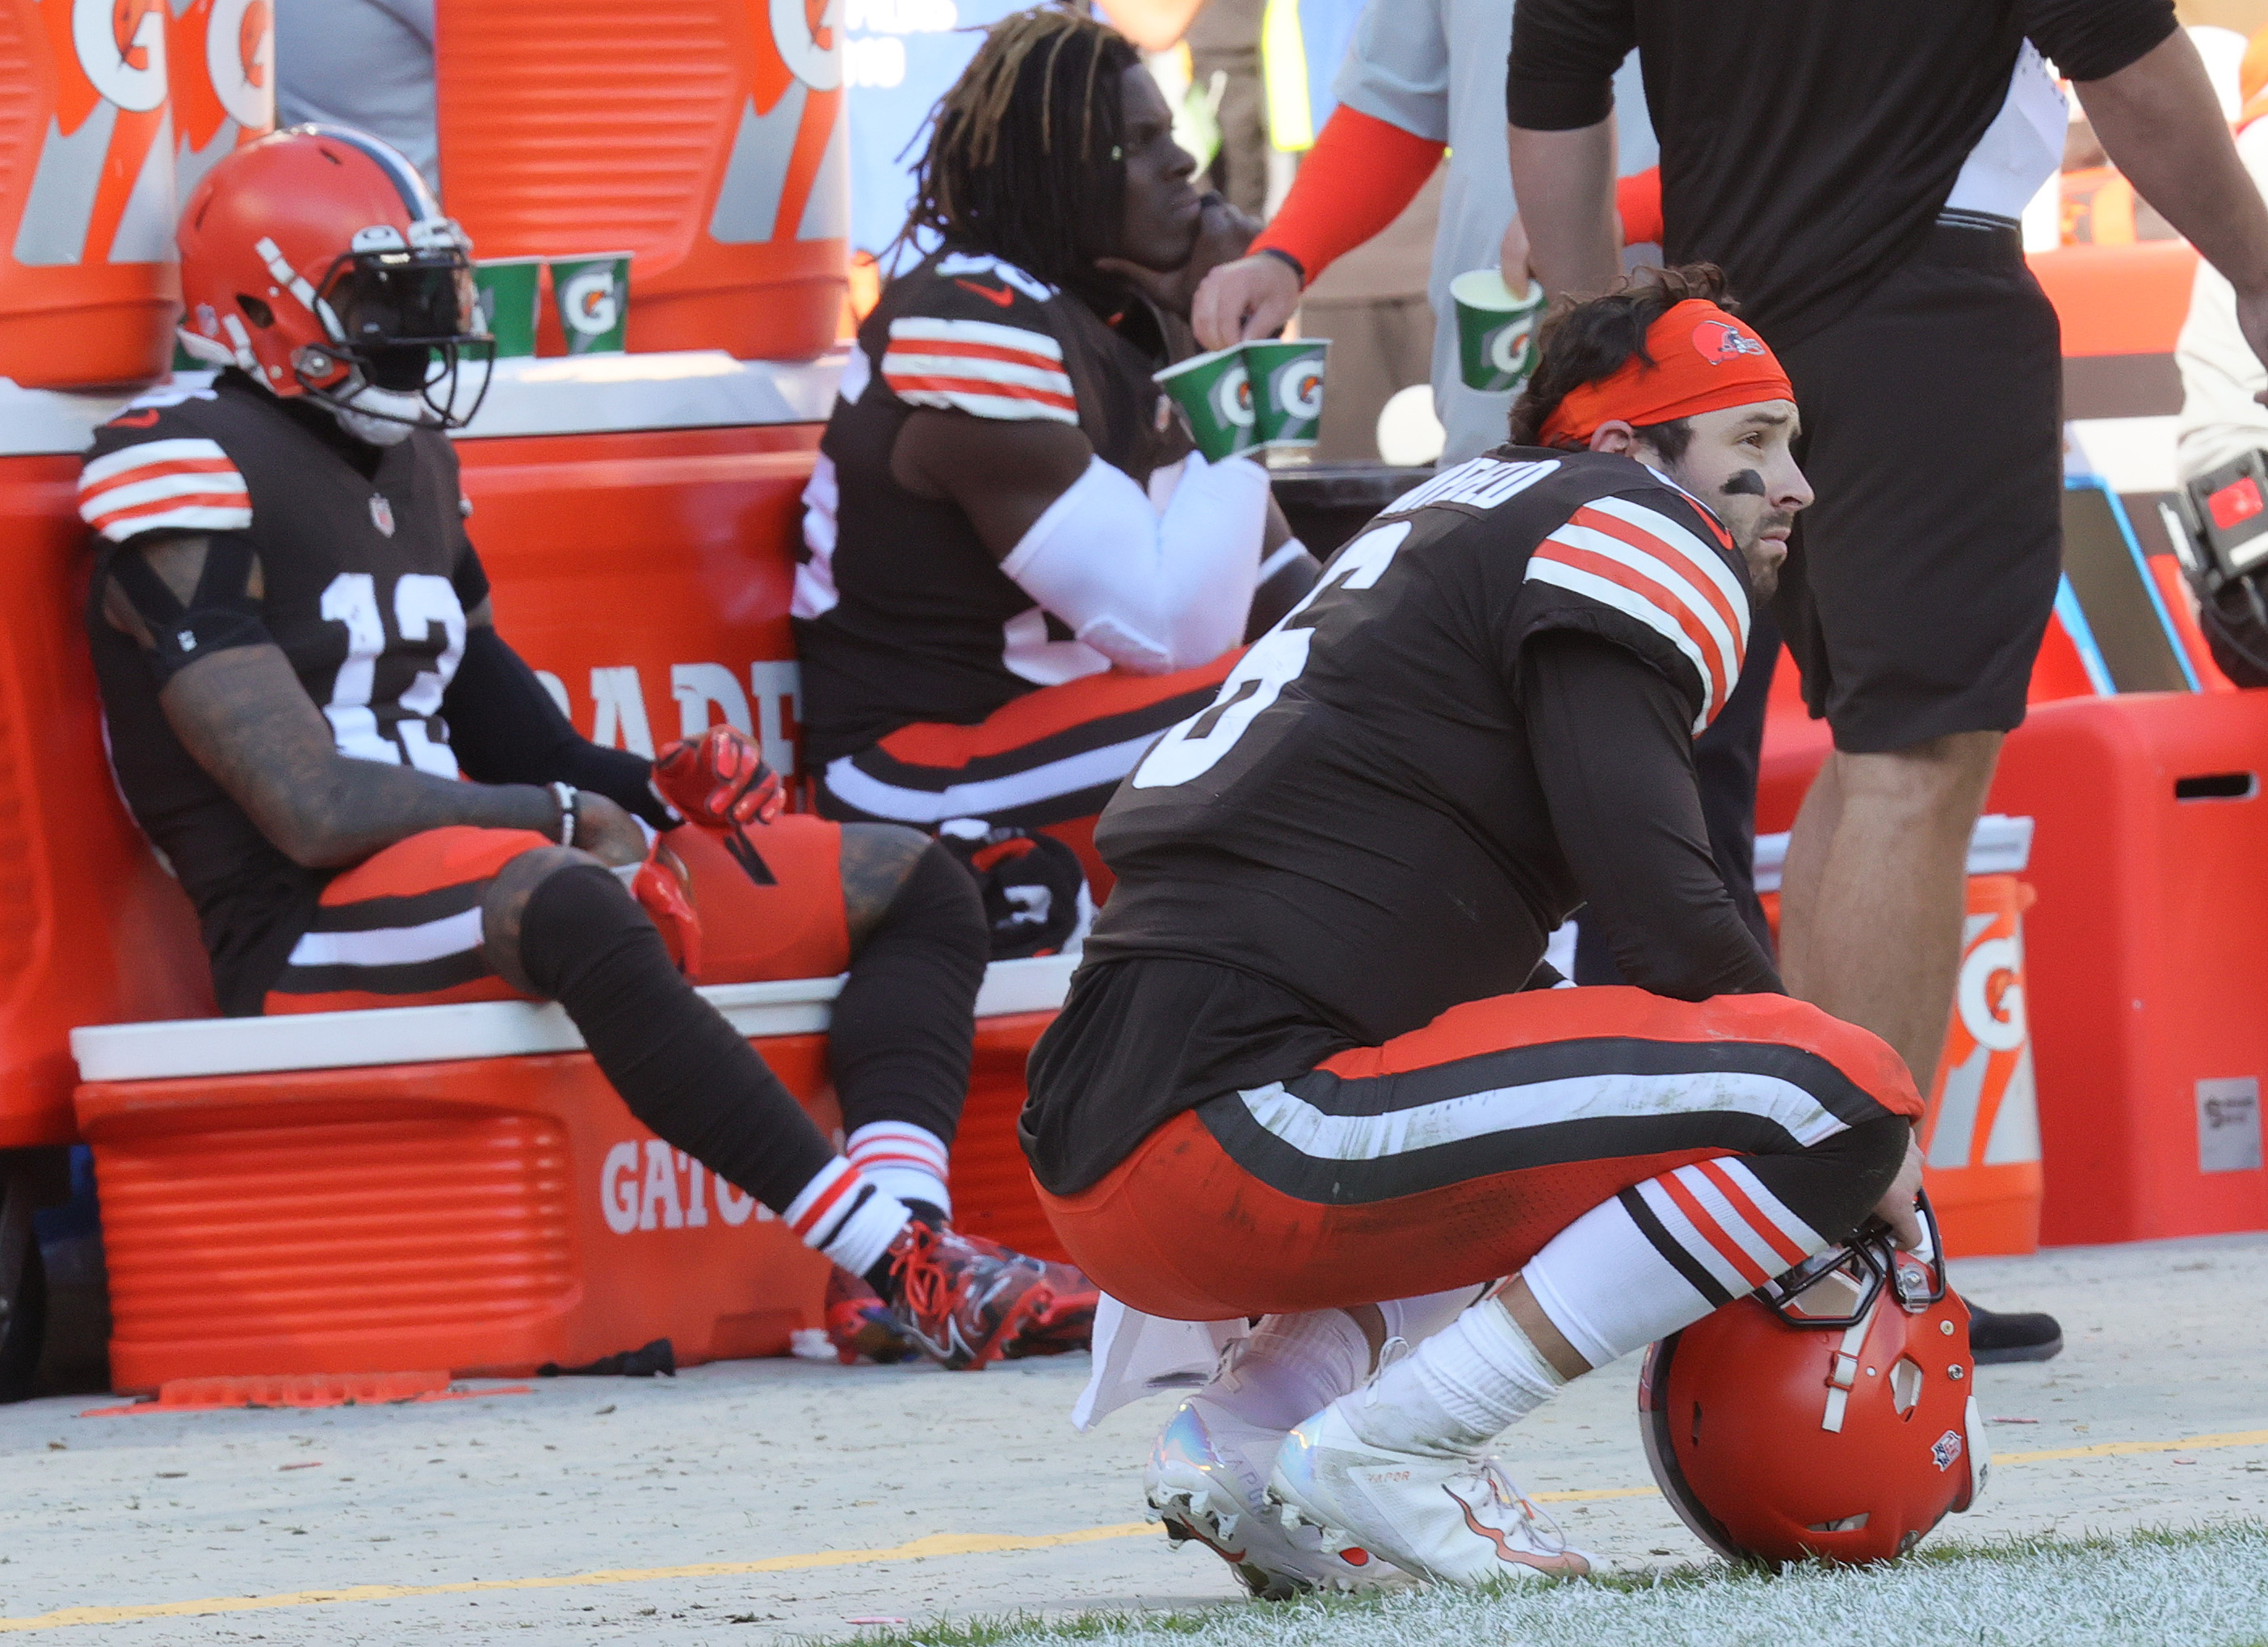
[1764, 576]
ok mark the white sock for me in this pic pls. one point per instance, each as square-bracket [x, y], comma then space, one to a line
[840, 1213]
[1459, 1389]
[907, 1161]
[1292, 1367]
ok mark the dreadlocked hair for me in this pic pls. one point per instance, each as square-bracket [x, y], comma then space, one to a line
[1588, 342]
[1026, 150]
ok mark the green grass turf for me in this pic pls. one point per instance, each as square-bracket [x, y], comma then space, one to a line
[2192, 1587]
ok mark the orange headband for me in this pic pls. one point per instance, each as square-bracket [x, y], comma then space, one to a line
[1704, 361]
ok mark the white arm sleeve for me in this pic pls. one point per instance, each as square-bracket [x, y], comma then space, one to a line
[1152, 592]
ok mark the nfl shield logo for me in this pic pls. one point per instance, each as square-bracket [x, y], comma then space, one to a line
[1947, 1450]
[381, 514]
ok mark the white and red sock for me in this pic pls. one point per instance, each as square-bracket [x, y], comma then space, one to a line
[909, 1162]
[1662, 1254]
[844, 1214]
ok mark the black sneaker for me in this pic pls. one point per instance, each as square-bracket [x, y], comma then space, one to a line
[1995, 1339]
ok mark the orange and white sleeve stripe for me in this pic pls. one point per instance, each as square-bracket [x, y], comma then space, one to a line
[180, 485]
[1641, 562]
[976, 367]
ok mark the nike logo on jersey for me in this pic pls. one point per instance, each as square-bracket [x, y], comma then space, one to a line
[999, 295]
[136, 420]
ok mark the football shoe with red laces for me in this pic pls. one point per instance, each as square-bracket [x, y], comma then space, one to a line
[860, 1326]
[1068, 1323]
[962, 1299]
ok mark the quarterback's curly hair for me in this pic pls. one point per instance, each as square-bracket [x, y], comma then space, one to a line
[1026, 150]
[1588, 342]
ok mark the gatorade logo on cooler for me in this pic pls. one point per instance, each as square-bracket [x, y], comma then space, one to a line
[1298, 388]
[804, 33]
[120, 45]
[1994, 1018]
[240, 55]
[1718, 340]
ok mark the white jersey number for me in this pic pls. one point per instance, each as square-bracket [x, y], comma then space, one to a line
[1278, 657]
[421, 599]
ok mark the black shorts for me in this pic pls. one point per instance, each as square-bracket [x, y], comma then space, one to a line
[1918, 584]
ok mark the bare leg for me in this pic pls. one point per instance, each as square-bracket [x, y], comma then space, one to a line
[1871, 913]
[1807, 843]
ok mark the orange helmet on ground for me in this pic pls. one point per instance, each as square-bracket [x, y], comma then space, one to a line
[317, 261]
[1831, 1416]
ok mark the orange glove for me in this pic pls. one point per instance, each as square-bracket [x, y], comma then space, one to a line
[663, 889]
[719, 779]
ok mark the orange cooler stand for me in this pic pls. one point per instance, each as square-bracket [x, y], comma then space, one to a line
[1981, 1133]
[706, 139]
[271, 1206]
[486, 1216]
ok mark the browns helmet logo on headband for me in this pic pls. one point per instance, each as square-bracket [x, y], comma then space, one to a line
[1717, 341]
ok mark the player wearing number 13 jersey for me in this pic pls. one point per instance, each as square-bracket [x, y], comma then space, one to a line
[1309, 1069]
[373, 802]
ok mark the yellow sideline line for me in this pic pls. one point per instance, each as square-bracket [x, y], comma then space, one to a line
[936, 1544]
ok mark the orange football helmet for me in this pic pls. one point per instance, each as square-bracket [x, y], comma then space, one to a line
[317, 261]
[1831, 1416]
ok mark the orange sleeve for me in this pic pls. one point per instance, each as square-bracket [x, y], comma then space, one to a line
[1357, 179]
[1637, 197]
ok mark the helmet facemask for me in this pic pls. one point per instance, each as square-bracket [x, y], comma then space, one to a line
[403, 319]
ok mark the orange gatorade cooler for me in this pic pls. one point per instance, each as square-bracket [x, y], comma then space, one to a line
[708, 140]
[1981, 1134]
[221, 63]
[88, 289]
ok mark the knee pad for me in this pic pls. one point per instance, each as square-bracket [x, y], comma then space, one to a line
[941, 903]
[574, 916]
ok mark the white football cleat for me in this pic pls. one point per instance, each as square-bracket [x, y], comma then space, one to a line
[1207, 1480]
[1455, 1517]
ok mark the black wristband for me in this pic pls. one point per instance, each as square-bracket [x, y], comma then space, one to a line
[1299, 270]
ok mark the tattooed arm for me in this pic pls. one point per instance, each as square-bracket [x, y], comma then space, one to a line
[244, 716]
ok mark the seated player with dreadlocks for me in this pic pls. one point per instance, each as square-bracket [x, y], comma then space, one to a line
[1017, 572]
[300, 672]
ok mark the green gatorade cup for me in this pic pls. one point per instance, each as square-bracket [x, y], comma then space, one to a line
[593, 295]
[1495, 331]
[1214, 392]
[508, 287]
[1287, 390]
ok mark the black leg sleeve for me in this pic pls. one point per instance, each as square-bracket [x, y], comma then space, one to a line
[682, 1069]
[905, 1021]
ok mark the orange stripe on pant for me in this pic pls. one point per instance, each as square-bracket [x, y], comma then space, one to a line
[1180, 1228]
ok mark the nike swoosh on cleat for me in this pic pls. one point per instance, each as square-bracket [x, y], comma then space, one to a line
[1000, 295]
[134, 420]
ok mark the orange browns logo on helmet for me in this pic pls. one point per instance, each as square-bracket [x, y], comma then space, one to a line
[1718, 340]
[269, 227]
